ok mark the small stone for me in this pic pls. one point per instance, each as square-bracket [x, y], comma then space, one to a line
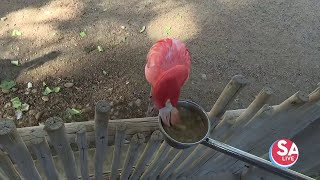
[38, 115]
[111, 103]
[45, 98]
[110, 89]
[127, 82]
[26, 93]
[3, 18]
[34, 91]
[7, 105]
[130, 104]
[32, 112]
[14, 89]
[5, 91]
[123, 27]
[138, 102]
[68, 85]
[204, 77]
[116, 113]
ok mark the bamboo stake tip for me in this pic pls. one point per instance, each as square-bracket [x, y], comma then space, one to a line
[102, 106]
[6, 126]
[37, 136]
[53, 123]
[121, 127]
[268, 90]
[138, 138]
[156, 135]
[302, 96]
[240, 79]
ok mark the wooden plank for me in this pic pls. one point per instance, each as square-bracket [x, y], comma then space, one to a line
[119, 141]
[164, 162]
[83, 149]
[8, 169]
[17, 150]
[177, 160]
[41, 149]
[147, 154]
[132, 155]
[163, 151]
[101, 120]
[57, 133]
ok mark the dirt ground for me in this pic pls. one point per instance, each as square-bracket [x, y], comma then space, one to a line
[272, 43]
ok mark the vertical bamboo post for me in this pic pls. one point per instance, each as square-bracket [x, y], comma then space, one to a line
[118, 145]
[225, 129]
[163, 151]
[17, 150]
[151, 147]
[132, 154]
[101, 135]
[236, 83]
[41, 149]
[83, 147]
[7, 166]
[56, 131]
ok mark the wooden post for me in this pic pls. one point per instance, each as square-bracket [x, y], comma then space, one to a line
[7, 167]
[225, 128]
[177, 160]
[147, 154]
[17, 150]
[132, 155]
[101, 120]
[118, 145]
[56, 131]
[42, 151]
[83, 149]
[163, 151]
[165, 161]
[236, 83]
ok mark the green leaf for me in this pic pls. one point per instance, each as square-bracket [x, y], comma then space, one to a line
[142, 29]
[74, 111]
[168, 29]
[56, 89]
[16, 33]
[47, 91]
[16, 103]
[83, 34]
[7, 84]
[100, 49]
[15, 63]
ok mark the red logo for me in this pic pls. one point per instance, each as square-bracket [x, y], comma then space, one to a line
[283, 153]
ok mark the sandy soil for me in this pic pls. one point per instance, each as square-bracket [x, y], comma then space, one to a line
[272, 43]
